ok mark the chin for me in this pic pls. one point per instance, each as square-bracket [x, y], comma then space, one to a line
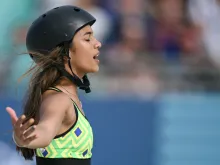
[95, 69]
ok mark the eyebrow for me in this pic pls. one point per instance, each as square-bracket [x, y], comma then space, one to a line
[88, 33]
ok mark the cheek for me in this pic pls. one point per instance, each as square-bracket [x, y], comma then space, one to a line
[83, 60]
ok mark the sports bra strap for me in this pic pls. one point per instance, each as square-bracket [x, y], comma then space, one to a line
[55, 89]
[74, 103]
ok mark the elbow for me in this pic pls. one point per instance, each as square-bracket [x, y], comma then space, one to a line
[40, 142]
[46, 142]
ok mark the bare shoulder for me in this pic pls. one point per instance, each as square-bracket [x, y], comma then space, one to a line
[55, 100]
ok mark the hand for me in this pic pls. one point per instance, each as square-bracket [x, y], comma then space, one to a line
[23, 131]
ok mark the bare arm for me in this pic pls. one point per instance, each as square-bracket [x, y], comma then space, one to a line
[52, 113]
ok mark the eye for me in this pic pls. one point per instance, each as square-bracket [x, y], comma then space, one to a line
[88, 39]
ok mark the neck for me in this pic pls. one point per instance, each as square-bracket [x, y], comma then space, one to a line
[68, 85]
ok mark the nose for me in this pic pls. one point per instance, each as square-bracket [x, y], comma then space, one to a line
[98, 44]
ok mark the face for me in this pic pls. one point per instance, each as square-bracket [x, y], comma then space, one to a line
[84, 52]
[171, 10]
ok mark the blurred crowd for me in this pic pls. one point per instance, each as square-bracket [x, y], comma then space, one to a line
[149, 46]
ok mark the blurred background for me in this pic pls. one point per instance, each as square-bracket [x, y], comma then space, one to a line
[155, 100]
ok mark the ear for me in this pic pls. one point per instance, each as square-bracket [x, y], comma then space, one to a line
[66, 58]
[71, 53]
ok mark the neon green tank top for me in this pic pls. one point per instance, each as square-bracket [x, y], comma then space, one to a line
[77, 142]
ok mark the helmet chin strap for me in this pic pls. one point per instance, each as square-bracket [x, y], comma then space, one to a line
[84, 85]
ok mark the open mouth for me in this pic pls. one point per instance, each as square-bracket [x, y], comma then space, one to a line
[95, 57]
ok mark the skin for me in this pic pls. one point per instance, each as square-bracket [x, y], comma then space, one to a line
[56, 112]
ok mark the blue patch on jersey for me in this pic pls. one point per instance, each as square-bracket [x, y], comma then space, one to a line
[78, 132]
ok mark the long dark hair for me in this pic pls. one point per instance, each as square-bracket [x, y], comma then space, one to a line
[44, 74]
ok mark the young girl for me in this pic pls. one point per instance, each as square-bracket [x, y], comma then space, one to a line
[54, 127]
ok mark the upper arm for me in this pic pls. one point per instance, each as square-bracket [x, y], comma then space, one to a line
[52, 113]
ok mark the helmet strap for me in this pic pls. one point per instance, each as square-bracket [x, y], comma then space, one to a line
[84, 85]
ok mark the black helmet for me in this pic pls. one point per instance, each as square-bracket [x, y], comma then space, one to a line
[55, 27]
[58, 27]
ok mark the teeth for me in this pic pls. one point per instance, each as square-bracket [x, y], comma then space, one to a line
[95, 56]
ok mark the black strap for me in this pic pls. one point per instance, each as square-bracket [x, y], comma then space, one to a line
[76, 80]
[84, 85]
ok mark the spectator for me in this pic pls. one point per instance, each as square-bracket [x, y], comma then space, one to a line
[121, 55]
[169, 30]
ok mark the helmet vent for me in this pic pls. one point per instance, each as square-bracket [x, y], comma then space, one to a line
[44, 15]
[76, 9]
[56, 7]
